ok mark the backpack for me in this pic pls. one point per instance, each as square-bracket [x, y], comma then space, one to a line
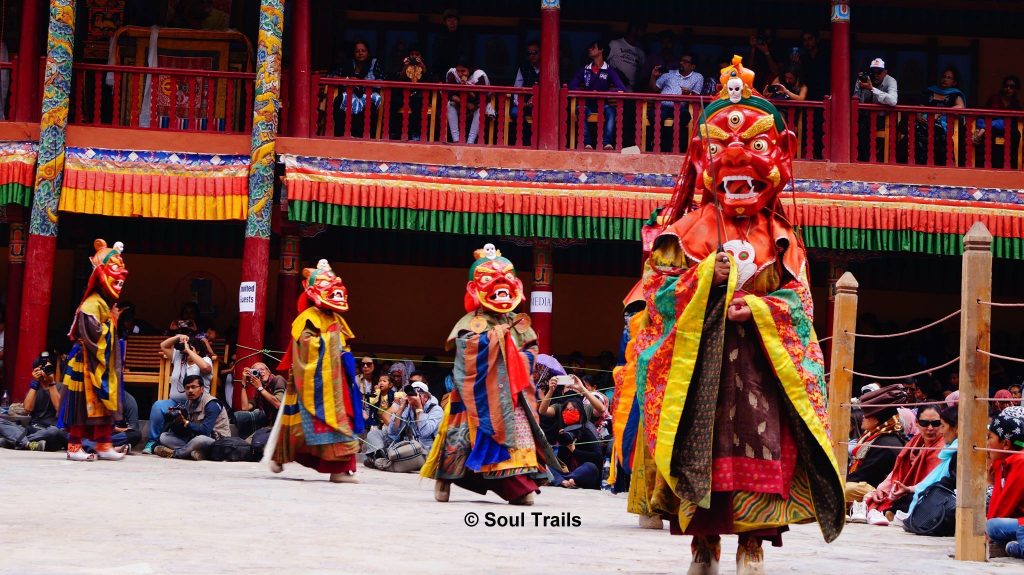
[935, 513]
[230, 449]
[258, 441]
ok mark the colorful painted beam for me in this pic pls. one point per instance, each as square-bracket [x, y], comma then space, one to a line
[612, 206]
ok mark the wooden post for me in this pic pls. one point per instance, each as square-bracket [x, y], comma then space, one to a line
[975, 326]
[844, 322]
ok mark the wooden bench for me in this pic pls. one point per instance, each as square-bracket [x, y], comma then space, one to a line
[145, 364]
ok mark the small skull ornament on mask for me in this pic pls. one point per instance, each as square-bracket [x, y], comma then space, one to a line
[735, 87]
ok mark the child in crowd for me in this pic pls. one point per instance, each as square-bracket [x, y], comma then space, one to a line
[1006, 508]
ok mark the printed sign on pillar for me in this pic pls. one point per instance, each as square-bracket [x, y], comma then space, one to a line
[541, 302]
[247, 297]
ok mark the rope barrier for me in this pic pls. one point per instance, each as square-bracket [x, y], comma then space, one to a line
[997, 356]
[918, 404]
[872, 446]
[903, 333]
[976, 448]
[824, 339]
[929, 370]
[995, 304]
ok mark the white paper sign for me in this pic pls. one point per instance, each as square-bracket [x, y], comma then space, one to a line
[247, 297]
[541, 302]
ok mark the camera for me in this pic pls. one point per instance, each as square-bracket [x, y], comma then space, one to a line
[45, 363]
[566, 437]
[174, 412]
[863, 77]
[409, 390]
[256, 373]
[762, 40]
[773, 89]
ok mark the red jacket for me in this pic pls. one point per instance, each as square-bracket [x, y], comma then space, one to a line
[1008, 488]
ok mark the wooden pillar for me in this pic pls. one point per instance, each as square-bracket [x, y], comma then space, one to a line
[545, 125]
[841, 381]
[835, 270]
[299, 66]
[26, 97]
[42, 239]
[975, 327]
[15, 277]
[541, 301]
[288, 288]
[839, 118]
[256, 252]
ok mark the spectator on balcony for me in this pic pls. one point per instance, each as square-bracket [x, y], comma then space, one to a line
[626, 55]
[413, 69]
[1006, 99]
[815, 66]
[451, 44]
[597, 76]
[946, 94]
[360, 67]
[788, 87]
[665, 58]
[875, 86]
[762, 61]
[684, 81]
[527, 76]
[463, 74]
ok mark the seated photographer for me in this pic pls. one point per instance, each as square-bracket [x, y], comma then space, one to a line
[185, 362]
[403, 446]
[126, 431]
[42, 402]
[262, 410]
[194, 427]
[571, 408]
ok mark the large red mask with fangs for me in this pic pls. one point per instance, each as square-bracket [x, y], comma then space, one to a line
[324, 289]
[750, 158]
[109, 273]
[493, 285]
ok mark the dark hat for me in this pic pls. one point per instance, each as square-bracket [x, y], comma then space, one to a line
[450, 13]
[1009, 425]
[877, 403]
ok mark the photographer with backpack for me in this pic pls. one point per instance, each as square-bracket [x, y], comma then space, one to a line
[190, 430]
[576, 441]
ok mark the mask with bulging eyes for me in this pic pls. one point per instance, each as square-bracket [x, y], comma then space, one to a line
[325, 290]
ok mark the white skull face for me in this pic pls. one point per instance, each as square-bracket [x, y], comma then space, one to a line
[735, 87]
[743, 254]
[490, 252]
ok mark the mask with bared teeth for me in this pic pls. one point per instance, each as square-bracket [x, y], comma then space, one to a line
[493, 284]
[324, 289]
[108, 270]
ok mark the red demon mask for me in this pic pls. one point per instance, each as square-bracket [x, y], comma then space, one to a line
[108, 270]
[493, 283]
[323, 289]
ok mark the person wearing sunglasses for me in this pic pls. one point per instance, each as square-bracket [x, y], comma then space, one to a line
[912, 466]
[1007, 98]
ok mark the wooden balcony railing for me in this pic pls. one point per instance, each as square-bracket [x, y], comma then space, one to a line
[929, 136]
[162, 98]
[497, 116]
[663, 124]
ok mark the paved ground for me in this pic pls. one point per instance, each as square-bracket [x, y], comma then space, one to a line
[146, 515]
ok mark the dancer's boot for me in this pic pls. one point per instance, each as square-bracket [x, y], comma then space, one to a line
[707, 551]
[750, 556]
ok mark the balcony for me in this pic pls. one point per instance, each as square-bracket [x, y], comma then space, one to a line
[162, 98]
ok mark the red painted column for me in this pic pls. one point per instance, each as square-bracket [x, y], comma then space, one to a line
[299, 70]
[546, 122]
[541, 302]
[839, 121]
[255, 257]
[12, 311]
[26, 98]
[287, 288]
[35, 308]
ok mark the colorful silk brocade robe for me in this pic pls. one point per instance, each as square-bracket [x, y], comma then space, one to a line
[320, 419]
[730, 418]
[490, 425]
[93, 372]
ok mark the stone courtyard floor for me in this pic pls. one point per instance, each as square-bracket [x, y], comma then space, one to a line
[148, 515]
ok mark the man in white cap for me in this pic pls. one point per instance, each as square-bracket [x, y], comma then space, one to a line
[403, 445]
[876, 86]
